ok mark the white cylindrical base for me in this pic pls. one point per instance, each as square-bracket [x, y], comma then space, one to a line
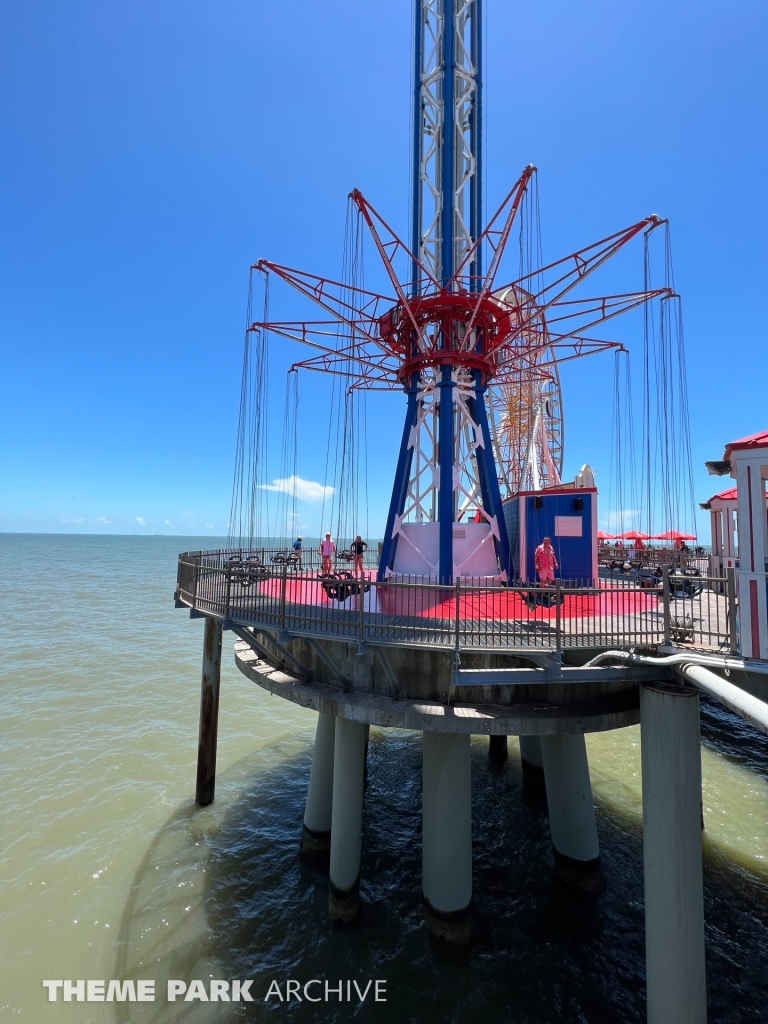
[674, 898]
[571, 811]
[447, 834]
[316, 835]
[346, 818]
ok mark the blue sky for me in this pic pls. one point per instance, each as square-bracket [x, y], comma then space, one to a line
[154, 150]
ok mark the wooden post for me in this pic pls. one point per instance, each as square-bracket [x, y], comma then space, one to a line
[209, 713]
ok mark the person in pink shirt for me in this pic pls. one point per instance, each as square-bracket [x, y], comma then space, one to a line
[327, 551]
[545, 562]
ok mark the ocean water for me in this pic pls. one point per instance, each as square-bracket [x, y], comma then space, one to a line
[108, 870]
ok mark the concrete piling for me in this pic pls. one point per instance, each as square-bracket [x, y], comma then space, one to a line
[497, 749]
[571, 811]
[316, 832]
[674, 897]
[533, 769]
[209, 713]
[346, 819]
[447, 835]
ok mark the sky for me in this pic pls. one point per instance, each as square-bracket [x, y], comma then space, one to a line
[154, 150]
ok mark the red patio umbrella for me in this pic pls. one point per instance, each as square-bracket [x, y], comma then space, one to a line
[674, 535]
[634, 535]
[605, 536]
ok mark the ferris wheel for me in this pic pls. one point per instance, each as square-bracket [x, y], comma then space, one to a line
[526, 412]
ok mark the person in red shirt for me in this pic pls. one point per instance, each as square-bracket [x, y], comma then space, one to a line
[545, 562]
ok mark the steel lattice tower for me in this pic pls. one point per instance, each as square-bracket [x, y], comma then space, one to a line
[447, 465]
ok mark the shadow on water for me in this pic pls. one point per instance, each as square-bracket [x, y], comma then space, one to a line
[223, 893]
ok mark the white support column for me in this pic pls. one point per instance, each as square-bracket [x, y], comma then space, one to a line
[571, 811]
[447, 835]
[346, 819]
[753, 550]
[674, 900]
[316, 834]
[729, 531]
[716, 531]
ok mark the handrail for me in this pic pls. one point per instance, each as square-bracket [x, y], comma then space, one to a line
[470, 614]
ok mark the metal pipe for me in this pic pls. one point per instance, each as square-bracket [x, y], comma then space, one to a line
[733, 697]
[684, 658]
[696, 669]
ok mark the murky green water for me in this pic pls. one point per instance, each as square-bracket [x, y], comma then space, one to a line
[108, 870]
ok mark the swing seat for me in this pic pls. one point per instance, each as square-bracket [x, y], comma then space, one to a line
[340, 585]
[538, 598]
[247, 571]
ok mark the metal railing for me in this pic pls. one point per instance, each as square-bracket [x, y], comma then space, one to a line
[309, 560]
[472, 614]
[637, 558]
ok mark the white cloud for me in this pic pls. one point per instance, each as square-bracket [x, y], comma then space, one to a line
[167, 522]
[305, 490]
[101, 519]
[140, 521]
[209, 526]
[623, 517]
[81, 520]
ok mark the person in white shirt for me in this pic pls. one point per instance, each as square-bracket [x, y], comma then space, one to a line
[327, 551]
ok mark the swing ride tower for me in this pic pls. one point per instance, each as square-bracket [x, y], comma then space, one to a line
[477, 359]
[446, 460]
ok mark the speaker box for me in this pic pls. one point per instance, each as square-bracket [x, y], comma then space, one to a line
[538, 502]
[578, 504]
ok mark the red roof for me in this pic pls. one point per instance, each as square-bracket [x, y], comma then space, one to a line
[730, 495]
[753, 441]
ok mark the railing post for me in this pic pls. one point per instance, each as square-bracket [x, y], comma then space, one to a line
[228, 571]
[362, 607]
[731, 598]
[283, 582]
[458, 611]
[557, 615]
[197, 579]
[667, 606]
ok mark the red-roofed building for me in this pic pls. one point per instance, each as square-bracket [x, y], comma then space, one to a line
[753, 442]
[740, 531]
[722, 508]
